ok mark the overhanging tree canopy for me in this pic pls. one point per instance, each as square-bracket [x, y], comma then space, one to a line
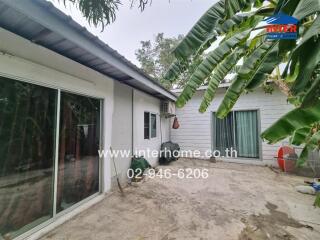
[102, 12]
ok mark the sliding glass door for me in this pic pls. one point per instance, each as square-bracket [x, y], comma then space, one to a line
[239, 131]
[28, 146]
[27, 132]
[78, 174]
[246, 128]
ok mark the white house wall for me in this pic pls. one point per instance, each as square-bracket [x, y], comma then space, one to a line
[22, 60]
[122, 128]
[146, 103]
[195, 128]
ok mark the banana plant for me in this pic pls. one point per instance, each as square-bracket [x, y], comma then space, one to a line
[232, 32]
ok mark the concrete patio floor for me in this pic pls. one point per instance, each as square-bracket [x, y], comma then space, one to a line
[236, 202]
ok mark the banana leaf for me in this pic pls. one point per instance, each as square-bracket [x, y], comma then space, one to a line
[306, 8]
[205, 68]
[249, 23]
[230, 23]
[313, 93]
[313, 31]
[311, 145]
[287, 6]
[258, 3]
[293, 120]
[256, 42]
[300, 135]
[175, 70]
[200, 31]
[309, 55]
[303, 49]
[219, 74]
[221, 29]
[253, 72]
[303, 157]
[234, 6]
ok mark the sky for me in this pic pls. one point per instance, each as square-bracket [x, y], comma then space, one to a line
[172, 17]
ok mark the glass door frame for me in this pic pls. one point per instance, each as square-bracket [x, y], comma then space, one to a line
[56, 163]
[55, 215]
[213, 133]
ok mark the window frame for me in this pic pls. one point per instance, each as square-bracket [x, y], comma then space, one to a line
[150, 125]
[213, 132]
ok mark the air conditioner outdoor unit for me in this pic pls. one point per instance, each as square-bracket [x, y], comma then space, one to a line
[167, 109]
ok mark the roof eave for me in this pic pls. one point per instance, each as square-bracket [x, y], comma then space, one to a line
[34, 10]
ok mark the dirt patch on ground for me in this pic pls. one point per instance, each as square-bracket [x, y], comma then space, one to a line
[236, 202]
[270, 226]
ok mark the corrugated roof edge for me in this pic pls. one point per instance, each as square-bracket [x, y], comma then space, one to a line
[85, 32]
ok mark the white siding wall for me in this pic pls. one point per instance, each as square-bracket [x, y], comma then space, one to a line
[146, 103]
[195, 128]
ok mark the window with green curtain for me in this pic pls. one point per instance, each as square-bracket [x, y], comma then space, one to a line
[224, 133]
[239, 130]
[246, 129]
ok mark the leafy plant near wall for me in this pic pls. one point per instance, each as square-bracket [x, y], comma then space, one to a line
[236, 23]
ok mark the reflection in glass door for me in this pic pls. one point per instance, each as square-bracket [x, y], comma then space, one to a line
[27, 132]
[30, 149]
[78, 166]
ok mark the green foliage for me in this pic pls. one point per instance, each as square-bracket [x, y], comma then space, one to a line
[300, 135]
[295, 119]
[234, 6]
[200, 32]
[218, 76]
[207, 66]
[252, 73]
[268, 88]
[156, 60]
[228, 19]
[308, 56]
[101, 12]
[311, 143]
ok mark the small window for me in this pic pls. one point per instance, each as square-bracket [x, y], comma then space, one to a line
[150, 125]
[146, 125]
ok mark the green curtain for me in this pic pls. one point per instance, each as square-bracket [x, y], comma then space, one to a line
[224, 133]
[247, 142]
